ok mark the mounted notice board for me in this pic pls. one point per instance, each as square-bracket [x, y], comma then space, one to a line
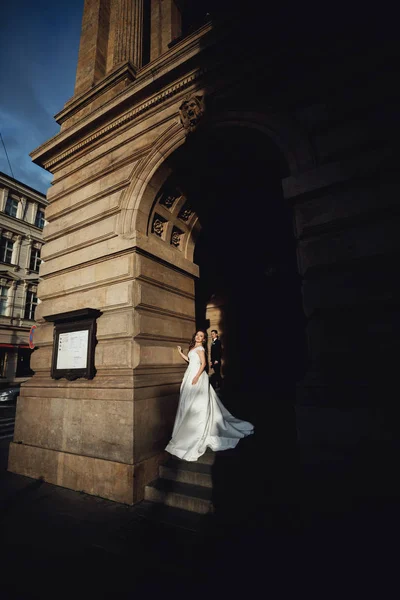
[74, 342]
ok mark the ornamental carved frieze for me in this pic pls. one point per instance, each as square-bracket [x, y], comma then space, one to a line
[191, 111]
[158, 225]
[176, 237]
[168, 198]
[185, 213]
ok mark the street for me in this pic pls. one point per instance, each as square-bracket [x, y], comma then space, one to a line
[56, 541]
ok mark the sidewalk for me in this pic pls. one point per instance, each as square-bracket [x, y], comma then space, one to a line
[58, 543]
[50, 533]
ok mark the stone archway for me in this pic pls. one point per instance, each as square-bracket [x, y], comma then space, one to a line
[155, 168]
[166, 230]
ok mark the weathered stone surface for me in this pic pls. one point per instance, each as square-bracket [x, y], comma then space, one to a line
[154, 418]
[91, 427]
[113, 480]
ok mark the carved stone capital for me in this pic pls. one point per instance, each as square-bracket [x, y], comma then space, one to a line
[191, 112]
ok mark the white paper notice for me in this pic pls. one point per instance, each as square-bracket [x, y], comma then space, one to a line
[72, 350]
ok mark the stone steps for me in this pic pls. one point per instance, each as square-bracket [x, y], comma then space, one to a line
[186, 472]
[183, 485]
[208, 458]
[193, 498]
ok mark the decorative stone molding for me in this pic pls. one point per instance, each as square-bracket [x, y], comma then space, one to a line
[158, 226]
[176, 237]
[191, 112]
[178, 234]
[153, 171]
[34, 209]
[3, 198]
[186, 212]
[17, 239]
[21, 207]
[152, 102]
[168, 198]
[128, 32]
[11, 299]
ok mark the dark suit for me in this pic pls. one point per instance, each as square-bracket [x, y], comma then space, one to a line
[216, 355]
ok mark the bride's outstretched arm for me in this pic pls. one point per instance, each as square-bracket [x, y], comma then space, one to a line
[181, 353]
[202, 356]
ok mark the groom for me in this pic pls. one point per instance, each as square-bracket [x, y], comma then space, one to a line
[216, 354]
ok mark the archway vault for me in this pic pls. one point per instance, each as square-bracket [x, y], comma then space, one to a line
[138, 218]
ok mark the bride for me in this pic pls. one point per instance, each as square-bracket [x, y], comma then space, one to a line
[202, 420]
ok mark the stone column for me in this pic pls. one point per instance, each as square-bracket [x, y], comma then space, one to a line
[3, 198]
[21, 208]
[34, 210]
[92, 57]
[11, 299]
[16, 250]
[23, 303]
[165, 26]
[29, 243]
[128, 33]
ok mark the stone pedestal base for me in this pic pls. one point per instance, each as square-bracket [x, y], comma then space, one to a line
[112, 480]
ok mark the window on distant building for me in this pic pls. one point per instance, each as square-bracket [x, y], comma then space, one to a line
[30, 305]
[3, 362]
[24, 363]
[35, 260]
[11, 206]
[6, 248]
[3, 299]
[39, 221]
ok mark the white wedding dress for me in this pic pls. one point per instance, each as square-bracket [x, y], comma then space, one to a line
[202, 421]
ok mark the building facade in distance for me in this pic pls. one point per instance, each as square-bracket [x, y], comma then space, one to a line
[21, 228]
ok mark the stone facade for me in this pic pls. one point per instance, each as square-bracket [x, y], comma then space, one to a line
[161, 111]
[21, 224]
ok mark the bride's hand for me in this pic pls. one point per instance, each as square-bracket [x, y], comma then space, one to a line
[195, 380]
[179, 348]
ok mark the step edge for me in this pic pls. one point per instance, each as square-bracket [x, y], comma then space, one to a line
[180, 493]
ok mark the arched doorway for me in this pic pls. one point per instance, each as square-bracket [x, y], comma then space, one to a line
[210, 221]
[249, 288]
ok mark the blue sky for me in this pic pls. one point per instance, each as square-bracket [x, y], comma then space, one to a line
[39, 45]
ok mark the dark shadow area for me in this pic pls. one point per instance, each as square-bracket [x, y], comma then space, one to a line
[247, 258]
